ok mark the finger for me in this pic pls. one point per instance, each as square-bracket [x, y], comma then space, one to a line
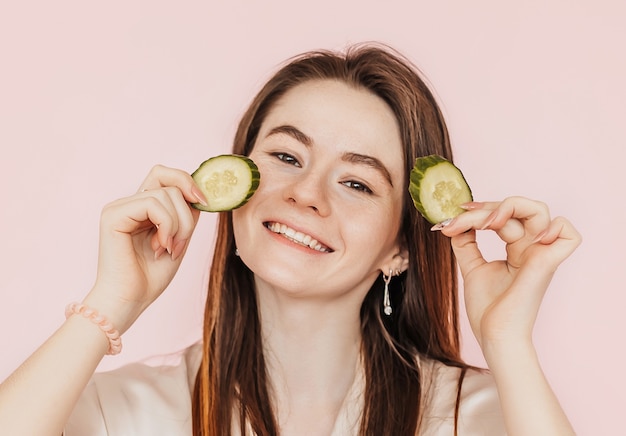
[509, 231]
[513, 219]
[560, 240]
[186, 215]
[184, 219]
[161, 176]
[533, 215]
[471, 220]
[187, 220]
[136, 214]
[466, 251]
[164, 199]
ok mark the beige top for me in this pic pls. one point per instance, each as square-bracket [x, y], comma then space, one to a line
[153, 398]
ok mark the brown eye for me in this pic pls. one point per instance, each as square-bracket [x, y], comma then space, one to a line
[357, 186]
[287, 158]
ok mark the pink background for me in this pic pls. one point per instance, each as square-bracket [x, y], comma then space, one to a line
[92, 94]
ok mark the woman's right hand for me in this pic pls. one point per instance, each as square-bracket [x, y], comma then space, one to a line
[142, 241]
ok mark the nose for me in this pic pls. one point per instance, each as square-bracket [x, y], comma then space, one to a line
[310, 190]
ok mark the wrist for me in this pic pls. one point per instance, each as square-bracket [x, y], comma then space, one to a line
[504, 353]
[121, 314]
[106, 327]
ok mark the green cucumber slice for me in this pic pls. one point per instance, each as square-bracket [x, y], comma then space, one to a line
[437, 188]
[227, 181]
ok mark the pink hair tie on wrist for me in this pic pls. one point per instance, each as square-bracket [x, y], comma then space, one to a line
[115, 342]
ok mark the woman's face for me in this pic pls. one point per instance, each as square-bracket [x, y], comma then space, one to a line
[324, 221]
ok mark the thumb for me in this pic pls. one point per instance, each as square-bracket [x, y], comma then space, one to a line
[467, 253]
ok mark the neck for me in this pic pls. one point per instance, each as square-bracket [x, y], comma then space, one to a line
[312, 351]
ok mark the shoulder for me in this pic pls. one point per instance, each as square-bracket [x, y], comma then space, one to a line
[151, 397]
[479, 405]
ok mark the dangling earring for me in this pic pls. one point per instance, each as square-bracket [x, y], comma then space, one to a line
[386, 300]
[236, 251]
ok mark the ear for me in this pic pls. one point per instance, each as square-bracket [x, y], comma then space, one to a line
[397, 264]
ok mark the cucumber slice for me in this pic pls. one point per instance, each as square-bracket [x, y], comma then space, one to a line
[227, 181]
[437, 188]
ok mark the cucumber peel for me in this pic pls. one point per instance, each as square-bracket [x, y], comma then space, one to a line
[437, 188]
[227, 181]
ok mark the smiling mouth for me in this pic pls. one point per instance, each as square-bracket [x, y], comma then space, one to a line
[297, 237]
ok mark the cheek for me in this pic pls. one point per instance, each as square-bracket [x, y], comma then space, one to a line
[239, 228]
[377, 228]
[270, 180]
[392, 221]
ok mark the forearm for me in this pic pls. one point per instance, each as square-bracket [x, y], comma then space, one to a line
[39, 396]
[529, 404]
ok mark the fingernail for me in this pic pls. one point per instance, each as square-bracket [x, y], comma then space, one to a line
[199, 195]
[169, 244]
[471, 205]
[441, 225]
[158, 253]
[178, 249]
[490, 219]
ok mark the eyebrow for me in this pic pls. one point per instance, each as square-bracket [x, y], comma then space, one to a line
[349, 157]
[293, 132]
[369, 161]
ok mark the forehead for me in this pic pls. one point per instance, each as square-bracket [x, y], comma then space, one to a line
[336, 114]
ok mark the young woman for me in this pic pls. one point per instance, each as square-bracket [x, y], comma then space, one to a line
[296, 336]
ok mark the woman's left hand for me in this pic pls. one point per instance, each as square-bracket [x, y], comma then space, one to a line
[503, 297]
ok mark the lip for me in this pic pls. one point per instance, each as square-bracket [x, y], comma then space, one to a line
[291, 237]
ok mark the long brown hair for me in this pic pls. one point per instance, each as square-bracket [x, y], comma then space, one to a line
[232, 376]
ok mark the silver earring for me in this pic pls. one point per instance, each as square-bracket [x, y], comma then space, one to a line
[236, 251]
[386, 301]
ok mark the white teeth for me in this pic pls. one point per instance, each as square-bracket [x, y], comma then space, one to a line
[296, 236]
